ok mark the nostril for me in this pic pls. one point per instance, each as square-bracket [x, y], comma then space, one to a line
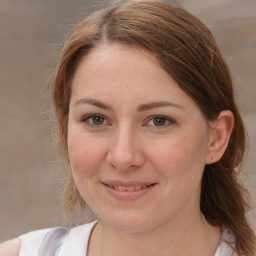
[125, 152]
[123, 161]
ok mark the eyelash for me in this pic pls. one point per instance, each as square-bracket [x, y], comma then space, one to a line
[167, 121]
[86, 120]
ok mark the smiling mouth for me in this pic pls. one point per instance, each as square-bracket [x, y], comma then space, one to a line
[130, 188]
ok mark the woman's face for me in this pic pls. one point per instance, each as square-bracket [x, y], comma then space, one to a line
[137, 143]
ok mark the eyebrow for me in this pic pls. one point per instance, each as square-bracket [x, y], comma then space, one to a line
[158, 104]
[140, 108]
[94, 102]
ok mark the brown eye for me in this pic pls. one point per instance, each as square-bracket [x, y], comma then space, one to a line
[159, 121]
[95, 120]
[98, 120]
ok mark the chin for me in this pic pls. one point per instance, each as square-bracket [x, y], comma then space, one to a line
[128, 223]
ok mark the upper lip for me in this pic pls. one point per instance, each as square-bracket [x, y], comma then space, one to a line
[127, 183]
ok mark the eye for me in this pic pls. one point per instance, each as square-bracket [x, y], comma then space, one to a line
[95, 120]
[159, 121]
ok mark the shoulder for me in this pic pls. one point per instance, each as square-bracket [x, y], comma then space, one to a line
[31, 241]
[10, 248]
[79, 235]
[76, 242]
[48, 239]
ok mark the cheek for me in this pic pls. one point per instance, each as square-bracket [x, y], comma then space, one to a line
[173, 150]
[181, 159]
[181, 165]
[84, 155]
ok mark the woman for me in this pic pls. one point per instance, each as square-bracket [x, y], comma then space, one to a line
[147, 123]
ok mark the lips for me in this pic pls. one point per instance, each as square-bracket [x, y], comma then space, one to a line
[127, 190]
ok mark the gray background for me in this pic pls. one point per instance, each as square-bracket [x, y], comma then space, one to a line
[31, 33]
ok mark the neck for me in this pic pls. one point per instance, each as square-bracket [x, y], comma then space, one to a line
[195, 235]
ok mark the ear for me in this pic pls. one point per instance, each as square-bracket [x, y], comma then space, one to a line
[220, 131]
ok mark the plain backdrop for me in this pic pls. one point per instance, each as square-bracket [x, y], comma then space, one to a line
[31, 35]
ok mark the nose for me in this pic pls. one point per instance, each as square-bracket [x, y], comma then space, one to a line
[124, 152]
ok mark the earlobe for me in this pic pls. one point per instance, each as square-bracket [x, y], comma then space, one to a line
[221, 130]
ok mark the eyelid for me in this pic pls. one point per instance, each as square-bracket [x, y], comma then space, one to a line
[85, 119]
[168, 119]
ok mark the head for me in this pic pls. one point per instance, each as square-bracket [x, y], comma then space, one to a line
[186, 50]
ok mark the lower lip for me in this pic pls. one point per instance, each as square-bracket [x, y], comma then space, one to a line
[127, 195]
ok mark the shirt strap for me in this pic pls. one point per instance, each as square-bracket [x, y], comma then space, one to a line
[52, 241]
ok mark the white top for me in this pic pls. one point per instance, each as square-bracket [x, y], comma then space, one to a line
[76, 242]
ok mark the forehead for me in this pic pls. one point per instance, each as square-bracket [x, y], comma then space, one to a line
[117, 56]
[126, 73]
[118, 63]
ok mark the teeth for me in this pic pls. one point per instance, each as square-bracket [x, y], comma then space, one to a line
[122, 188]
[131, 188]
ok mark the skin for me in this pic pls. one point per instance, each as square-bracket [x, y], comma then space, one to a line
[10, 248]
[116, 133]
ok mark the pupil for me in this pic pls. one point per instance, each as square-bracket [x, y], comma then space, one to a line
[98, 120]
[159, 121]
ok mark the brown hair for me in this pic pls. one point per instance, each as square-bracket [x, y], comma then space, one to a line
[187, 50]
